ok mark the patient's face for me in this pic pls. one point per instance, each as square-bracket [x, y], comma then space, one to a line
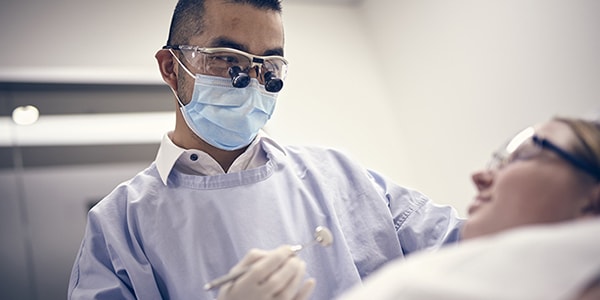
[541, 189]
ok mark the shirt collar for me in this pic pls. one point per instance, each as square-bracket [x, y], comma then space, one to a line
[167, 155]
[203, 164]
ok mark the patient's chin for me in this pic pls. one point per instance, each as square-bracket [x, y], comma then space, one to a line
[481, 225]
[469, 231]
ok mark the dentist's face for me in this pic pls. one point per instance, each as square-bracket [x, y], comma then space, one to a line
[543, 188]
[239, 26]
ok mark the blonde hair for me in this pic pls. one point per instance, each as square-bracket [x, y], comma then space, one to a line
[587, 148]
[588, 135]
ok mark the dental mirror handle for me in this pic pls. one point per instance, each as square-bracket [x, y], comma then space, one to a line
[233, 276]
[322, 236]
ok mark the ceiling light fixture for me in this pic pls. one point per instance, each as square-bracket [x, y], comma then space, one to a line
[25, 115]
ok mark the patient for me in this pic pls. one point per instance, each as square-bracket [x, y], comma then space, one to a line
[547, 173]
[533, 230]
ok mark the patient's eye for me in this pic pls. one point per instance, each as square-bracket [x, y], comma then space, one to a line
[526, 151]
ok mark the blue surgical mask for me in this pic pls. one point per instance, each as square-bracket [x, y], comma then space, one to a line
[226, 117]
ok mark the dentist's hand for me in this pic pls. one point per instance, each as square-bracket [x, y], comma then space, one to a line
[275, 274]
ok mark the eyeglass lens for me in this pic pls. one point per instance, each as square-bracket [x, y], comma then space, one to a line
[505, 153]
[219, 63]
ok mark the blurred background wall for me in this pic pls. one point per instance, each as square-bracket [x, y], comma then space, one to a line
[422, 91]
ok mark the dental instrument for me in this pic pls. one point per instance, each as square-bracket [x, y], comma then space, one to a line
[322, 236]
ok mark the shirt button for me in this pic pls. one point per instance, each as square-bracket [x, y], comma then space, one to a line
[194, 157]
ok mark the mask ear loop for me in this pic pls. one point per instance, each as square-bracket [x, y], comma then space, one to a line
[186, 70]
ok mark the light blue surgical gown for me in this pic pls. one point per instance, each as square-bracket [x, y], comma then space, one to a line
[155, 239]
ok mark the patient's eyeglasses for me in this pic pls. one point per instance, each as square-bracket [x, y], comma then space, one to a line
[236, 64]
[527, 145]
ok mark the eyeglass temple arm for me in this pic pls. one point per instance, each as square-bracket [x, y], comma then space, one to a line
[568, 157]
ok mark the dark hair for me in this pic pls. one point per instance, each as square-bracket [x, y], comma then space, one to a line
[188, 17]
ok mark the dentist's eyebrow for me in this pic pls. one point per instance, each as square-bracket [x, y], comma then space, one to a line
[228, 43]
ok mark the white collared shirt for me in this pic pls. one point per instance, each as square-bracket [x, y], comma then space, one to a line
[198, 162]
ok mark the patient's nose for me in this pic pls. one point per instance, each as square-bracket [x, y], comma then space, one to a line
[483, 179]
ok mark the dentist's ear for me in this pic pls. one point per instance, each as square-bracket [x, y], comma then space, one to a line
[167, 67]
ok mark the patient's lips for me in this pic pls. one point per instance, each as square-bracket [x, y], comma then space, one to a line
[480, 200]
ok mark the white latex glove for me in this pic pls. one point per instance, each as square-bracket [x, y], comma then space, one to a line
[275, 274]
